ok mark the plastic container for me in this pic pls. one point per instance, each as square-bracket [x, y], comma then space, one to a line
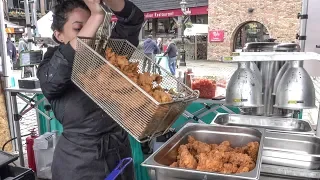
[206, 85]
[43, 150]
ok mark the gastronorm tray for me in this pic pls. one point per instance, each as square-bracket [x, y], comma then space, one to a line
[237, 136]
[267, 173]
[270, 123]
[292, 150]
[289, 172]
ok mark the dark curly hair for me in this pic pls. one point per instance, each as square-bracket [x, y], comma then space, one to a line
[61, 11]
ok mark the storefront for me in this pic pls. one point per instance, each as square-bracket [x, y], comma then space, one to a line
[231, 24]
[166, 23]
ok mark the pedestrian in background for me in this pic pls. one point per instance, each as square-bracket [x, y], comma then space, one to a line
[23, 43]
[172, 54]
[11, 49]
[160, 45]
[150, 49]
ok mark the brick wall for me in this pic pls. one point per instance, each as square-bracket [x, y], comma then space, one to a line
[278, 16]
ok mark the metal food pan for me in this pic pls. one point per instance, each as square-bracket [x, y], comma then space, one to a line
[292, 150]
[264, 176]
[289, 172]
[237, 136]
[272, 124]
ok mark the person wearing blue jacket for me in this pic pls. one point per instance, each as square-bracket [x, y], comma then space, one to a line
[150, 49]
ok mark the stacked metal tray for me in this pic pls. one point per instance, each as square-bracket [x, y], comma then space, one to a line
[292, 150]
[237, 136]
[289, 125]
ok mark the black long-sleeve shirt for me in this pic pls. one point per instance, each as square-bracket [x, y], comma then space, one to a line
[55, 71]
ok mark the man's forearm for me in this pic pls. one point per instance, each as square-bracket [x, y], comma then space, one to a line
[115, 5]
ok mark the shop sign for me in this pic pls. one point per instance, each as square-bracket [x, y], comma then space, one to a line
[171, 13]
[216, 36]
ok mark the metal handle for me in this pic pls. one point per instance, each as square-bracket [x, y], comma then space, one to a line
[104, 28]
[118, 170]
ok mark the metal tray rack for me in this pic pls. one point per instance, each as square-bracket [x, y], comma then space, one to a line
[129, 105]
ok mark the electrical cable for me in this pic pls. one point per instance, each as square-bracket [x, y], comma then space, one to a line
[4, 145]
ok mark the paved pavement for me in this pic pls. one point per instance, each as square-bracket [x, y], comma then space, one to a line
[200, 67]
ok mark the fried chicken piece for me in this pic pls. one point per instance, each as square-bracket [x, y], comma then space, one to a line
[229, 168]
[161, 96]
[252, 150]
[145, 79]
[109, 53]
[198, 146]
[157, 78]
[175, 164]
[243, 169]
[186, 160]
[211, 162]
[224, 147]
[243, 161]
[241, 150]
[214, 146]
[122, 62]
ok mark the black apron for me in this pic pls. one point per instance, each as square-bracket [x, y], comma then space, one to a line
[92, 145]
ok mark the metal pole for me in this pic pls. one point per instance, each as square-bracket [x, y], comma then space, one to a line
[42, 7]
[318, 123]
[3, 52]
[28, 23]
[34, 17]
[17, 126]
[3, 45]
[183, 51]
[303, 24]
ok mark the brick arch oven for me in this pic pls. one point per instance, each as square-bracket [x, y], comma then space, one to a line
[278, 16]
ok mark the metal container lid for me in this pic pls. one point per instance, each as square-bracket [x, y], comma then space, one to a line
[259, 47]
[6, 158]
[287, 47]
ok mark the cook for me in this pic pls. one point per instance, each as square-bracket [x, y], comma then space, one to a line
[92, 143]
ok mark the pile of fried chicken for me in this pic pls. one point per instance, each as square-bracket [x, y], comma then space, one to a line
[220, 158]
[150, 83]
[144, 80]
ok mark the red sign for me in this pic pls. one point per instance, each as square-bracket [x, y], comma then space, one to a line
[216, 36]
[171, 13]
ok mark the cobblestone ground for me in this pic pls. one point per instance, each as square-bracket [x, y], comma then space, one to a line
[199, 67]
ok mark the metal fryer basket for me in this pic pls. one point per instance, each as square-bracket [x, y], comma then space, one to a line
[130, 106]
